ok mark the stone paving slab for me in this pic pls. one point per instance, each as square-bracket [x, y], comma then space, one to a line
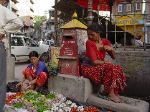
[129, 105]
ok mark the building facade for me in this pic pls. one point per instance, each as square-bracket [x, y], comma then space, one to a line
[147, 22]
[50, 28]
[24, 9]
[130, 16]
[26, 12]
[13, 7]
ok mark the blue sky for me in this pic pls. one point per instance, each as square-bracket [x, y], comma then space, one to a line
[41, 7]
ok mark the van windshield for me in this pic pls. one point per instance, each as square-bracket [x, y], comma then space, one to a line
[16, 41]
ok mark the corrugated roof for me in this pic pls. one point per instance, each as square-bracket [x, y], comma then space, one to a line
[74, 23]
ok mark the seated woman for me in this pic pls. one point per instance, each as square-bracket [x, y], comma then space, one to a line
[35, 75]
[99, 70]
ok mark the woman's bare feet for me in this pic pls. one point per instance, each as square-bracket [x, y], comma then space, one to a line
[114, 98]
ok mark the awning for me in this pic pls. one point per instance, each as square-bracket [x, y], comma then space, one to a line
[101, 5]
[118, 1]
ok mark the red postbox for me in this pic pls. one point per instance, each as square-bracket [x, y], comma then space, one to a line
[72, 45]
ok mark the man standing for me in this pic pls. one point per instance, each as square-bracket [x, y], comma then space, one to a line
[9, 22]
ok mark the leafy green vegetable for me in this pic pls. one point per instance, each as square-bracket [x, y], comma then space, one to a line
[18, 105]
[51, 96]
[31, 96]
[35, 100]
[51, 66]
[42, 108]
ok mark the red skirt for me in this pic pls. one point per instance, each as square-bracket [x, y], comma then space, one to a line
[41, 80]
[108, 74]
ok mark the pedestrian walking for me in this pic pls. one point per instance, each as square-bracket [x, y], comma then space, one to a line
[9, 22]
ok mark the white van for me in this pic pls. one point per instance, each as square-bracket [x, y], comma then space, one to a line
[21, 46]
[50, 42]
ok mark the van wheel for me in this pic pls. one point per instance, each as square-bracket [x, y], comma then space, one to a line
[44, 57]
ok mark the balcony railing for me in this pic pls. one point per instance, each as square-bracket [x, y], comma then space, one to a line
[31, 9]
[15, 1]
[32, 1]
[13, 5]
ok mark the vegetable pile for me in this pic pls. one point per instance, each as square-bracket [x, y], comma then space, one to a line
[52, 68]
[32, 101]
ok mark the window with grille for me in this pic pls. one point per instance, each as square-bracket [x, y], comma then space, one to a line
[138, 6]
[128, 7]
[120, 8]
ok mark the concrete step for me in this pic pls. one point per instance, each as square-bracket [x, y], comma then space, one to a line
[129, 105]
[81, 90]
[77, 88]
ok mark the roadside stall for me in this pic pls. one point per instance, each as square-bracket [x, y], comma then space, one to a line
[32, 101]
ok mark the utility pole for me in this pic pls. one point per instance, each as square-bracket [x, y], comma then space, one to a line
[110, 5]
[90, 10]
[56, 23]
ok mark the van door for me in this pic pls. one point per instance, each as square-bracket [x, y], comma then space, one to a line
[19, 48]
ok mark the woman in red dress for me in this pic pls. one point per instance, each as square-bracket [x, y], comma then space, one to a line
[99, 70]
[35, 75]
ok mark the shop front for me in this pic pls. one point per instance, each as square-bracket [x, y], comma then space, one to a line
[133, 24]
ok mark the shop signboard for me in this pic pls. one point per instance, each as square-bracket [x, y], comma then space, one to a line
[129, 20]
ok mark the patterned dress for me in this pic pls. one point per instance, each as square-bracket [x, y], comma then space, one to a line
[108, 74]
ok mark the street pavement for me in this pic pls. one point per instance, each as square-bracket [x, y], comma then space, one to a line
[19, 67]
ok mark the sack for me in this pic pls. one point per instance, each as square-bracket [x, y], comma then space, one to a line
[11, 87]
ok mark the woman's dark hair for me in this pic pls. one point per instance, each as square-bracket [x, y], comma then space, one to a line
[33, 54]
[96, 28]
